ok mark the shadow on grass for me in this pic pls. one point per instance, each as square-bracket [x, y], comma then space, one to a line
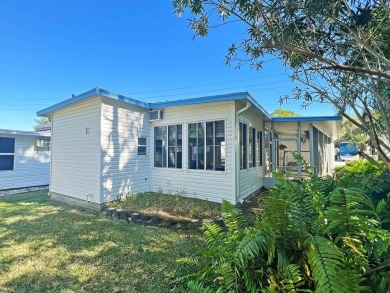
[51, 247]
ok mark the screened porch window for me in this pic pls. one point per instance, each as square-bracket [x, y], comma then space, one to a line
[168, 146]
[7, 153]
[252, 148]
[206, 145]
[259, 149]
[243, 146]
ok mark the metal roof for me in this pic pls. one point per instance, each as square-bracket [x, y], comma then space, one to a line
[183, 102]
[306, 118]
[176, 103]
[91, 93]
[22, 132]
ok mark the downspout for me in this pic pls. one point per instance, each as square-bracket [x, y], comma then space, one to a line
[51, 152]
[237, 169]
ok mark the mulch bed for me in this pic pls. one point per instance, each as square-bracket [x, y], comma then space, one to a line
[250, 209]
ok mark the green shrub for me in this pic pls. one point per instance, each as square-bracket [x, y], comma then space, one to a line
[373, 181]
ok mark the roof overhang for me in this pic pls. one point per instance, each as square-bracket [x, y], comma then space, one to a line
[104, 93]
[326, 124]
[306, 119]
[89, 94]
[22, 132]
[211, 99]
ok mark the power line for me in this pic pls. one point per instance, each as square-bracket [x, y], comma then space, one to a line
[200, 92]
[201, 85]
[179, 88]
[181, 94]
[187, 93]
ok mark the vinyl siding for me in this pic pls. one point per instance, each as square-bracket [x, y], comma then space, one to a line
[31, 168]
[123, 170]
[210, 185]
[76, 150]
[251, 179]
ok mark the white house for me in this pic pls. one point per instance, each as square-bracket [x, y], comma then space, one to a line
[24, 159]
[105, 145]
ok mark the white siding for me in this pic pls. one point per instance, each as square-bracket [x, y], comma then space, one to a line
[31, 168]
[123, 170]
[211, 185]
[76, 150]
[251, 179]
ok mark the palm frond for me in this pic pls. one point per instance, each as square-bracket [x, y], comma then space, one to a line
[326, 263]
[213, 234]
[350, 212]
[252, 245]
[293, 281]
[232, 217]
[198, 287]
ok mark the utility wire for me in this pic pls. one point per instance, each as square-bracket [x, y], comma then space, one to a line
[188, 93]
[255, 90]
[180, 88]
[201, 85]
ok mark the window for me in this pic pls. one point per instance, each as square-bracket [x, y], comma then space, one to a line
[206, 146]
[7, 153]
[252, 148]
[141, 146]
[243, 146]
[168, 146]
[175, 150]
[259, 149]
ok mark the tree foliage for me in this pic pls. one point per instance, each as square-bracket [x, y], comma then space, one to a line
[41, 121]
[284, 113]
[339, 51]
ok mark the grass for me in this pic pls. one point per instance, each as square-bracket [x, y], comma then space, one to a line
[170, 206]
[52, 247]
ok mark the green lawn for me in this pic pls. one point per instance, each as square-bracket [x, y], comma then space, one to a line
[170, 206]
[52, 247]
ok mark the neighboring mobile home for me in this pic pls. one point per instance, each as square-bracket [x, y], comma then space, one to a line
[24, 159]
[105, 145]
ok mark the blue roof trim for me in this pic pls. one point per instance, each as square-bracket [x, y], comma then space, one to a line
[89, 94]
[21, 132]
[201, 100]
[308, 119]
[184, 102]
[210, 99]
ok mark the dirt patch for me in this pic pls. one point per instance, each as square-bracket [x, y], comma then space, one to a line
[22, 190]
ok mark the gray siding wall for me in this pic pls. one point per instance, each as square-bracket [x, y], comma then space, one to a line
[123, 170]
[210, 185]
[251, 179]
[31, 168]
[76, 151]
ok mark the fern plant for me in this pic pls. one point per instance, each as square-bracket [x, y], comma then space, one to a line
[314, 235]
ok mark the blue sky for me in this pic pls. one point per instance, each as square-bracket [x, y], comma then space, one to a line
[52, 49]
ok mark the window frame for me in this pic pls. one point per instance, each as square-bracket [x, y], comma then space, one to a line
[252, 147]
[243, 145]
[4, 154]
[140, 145]
[259, 143]
[165, 146]
[205, 146]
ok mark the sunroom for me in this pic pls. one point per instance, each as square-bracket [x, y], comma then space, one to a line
[311, 137]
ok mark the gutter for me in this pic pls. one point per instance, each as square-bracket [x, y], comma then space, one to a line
[247, 106]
